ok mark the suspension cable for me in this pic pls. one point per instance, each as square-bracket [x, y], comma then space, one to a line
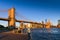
[21, 16]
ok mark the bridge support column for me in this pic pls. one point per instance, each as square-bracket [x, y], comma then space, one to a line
[11, 16]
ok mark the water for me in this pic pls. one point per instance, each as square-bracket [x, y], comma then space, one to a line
[45, 34]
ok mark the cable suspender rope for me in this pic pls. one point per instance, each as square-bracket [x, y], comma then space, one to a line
[21, 16]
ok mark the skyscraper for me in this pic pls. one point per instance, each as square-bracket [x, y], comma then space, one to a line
[58, 22]
[48, 24]
[58, 25]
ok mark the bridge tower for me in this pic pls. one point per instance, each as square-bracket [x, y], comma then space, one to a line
[11, 17]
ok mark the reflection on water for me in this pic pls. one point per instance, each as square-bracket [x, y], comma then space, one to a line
[45, 34]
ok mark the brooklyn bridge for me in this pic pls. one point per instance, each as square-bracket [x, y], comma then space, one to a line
[50, 33]
[12, 20]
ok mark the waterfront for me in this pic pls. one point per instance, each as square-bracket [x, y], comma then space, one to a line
[36, 34]
[13, 36]
[45, 34]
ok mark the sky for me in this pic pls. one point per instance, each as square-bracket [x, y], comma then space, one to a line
[35, 10]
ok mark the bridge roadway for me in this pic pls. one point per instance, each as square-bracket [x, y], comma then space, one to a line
[6, 19]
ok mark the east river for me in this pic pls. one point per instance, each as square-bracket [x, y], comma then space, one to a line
[45, 34]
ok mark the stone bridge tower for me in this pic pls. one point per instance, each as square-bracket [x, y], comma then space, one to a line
[11, 17]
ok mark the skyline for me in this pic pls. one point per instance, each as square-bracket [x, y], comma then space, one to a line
[33, 10]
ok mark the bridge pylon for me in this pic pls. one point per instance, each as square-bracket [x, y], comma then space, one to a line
[11, 17]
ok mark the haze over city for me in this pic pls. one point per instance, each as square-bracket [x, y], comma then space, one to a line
[32, 9]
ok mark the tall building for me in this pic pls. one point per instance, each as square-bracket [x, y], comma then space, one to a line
[58, 25]
[48, 24]
[58, 21]
[45, 20]
[43, 26]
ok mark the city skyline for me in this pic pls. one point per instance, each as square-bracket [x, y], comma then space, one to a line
[33, 10]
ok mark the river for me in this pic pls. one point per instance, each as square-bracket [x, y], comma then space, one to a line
[45, 34]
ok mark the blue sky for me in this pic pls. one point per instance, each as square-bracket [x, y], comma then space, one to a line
[36, 10]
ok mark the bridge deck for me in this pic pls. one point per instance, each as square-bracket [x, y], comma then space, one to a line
[4, 19]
